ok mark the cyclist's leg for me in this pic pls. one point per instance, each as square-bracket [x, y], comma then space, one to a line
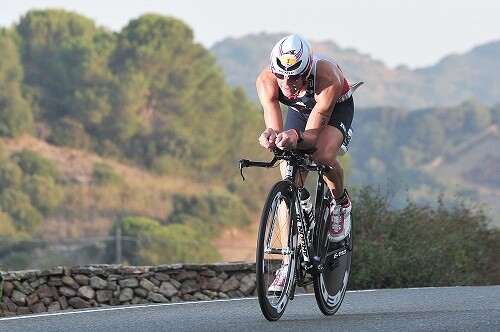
[329, 143]
[332, 137]
[295, 120]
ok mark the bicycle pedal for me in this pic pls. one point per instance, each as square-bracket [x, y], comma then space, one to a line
[307, 266]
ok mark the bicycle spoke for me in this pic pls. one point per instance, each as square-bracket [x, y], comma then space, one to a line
[275, 253]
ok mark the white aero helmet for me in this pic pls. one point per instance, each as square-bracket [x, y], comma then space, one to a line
[292, 55]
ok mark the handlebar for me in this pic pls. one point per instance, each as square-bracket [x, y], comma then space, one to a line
[297, 155]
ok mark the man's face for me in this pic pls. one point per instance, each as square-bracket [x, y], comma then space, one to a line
[289, 85]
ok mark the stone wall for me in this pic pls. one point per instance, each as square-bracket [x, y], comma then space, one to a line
[26, 292]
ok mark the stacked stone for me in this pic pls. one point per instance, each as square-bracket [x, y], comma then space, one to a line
[26, 292]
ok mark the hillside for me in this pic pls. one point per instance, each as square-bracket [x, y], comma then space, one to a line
[75, 173]
[457, 77]
[479, 179]
[91, 213]
[143, 131]
[426, 153]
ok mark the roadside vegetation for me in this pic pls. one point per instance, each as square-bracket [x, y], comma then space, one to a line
[421, 246]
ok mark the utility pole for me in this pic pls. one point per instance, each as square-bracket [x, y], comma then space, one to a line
[119, 242]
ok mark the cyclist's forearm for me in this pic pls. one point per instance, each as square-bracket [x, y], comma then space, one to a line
[274, 120]
[310, 137]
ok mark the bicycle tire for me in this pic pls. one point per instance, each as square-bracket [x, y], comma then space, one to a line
[271, 252]
[330, 285]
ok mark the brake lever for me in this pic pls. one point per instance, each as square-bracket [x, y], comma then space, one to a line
[243, 163]
[247, 163]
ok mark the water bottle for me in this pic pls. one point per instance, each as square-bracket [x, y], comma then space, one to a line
[305, 202]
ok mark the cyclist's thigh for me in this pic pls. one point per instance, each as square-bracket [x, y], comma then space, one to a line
[328, 144]
[342, 115]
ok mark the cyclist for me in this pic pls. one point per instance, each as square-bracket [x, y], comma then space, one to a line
[320, 112]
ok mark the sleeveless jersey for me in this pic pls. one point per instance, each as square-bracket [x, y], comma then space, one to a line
[307, 101]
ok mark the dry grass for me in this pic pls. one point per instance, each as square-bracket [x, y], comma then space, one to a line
[91, 210]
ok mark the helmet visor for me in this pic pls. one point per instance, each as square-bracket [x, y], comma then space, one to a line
[287, 66]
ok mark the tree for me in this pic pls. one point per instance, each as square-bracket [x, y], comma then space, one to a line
[32, 163]
[183, 98]
[45, 194]
[17, 204]
[15, 115]
[11, 175]
[84, 62]
[65, 57]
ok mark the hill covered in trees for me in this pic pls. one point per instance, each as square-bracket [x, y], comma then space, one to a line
[454, 80]
[147, 97]
[147, 93]
[430, 152]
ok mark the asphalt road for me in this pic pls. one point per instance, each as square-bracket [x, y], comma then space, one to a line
[423, 309]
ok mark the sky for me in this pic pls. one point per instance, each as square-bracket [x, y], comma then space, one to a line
[397, 32]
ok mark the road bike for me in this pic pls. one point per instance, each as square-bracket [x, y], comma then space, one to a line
[294, 241]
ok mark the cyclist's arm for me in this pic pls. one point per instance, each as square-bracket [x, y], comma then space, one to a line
[267, 90]
[329, 81]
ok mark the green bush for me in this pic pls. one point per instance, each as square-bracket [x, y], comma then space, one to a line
[10, 174]
[71, 133]
[421, 246]
[2, 268]
[7, 227]
[16, 260]
[150, 243]
[217, 210]
[25, 217]
[103, 173]
[32, 163]
[45, 194]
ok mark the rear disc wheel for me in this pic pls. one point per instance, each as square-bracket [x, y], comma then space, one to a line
[330, 284]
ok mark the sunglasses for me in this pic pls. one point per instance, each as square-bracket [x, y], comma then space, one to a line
[290, 77]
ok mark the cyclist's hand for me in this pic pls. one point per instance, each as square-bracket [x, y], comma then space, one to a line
[267, 138]
[286, 140]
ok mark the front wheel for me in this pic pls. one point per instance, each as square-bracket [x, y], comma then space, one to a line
[276, 251]
[330, 284]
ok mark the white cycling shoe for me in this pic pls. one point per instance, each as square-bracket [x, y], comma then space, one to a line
[340, 221]
[280, 280]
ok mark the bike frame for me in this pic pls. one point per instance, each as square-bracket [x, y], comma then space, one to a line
[298, 161]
